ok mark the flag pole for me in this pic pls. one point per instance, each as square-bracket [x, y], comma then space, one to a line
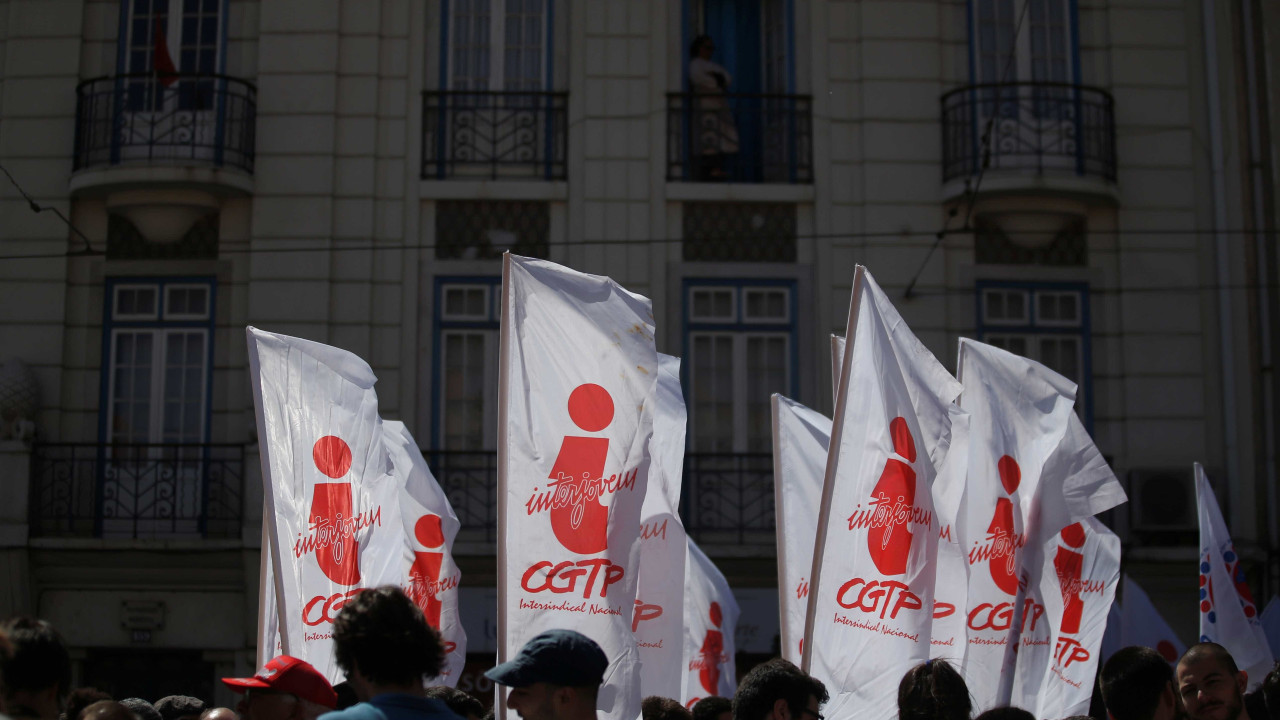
[780, 534]
[828, 483]
[504, 387]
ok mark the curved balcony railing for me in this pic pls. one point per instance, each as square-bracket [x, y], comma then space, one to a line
[1035, 127]
[136, 491]
[739, 138]
[481, 135]
[174, 119]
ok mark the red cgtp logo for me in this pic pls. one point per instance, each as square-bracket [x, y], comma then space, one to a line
[332, 524]
[711, 654]
[1001, 549]
[1068, 564]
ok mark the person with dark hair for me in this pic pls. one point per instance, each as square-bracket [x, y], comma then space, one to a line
[385, 646]
[141, 708]
[555, 676]
[180, 707]
[656, 707]
[715, 132]
[933, 690]
[105, 710]
[81, 698]
[778, 690]
[461, 703]
[713, 708]
[36, 675]
[1006, 713]
[1210, 684]
[286, 688]
[1137, 684]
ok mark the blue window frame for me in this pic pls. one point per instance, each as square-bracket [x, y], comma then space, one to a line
[739, 348]
[157, 353]
[195, 34]
[464, 378]
[1046, 322]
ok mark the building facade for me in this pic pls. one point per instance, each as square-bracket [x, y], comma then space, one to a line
[1090, 183]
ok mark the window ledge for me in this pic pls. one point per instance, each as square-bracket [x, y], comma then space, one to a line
[493, 190]
[738, 192]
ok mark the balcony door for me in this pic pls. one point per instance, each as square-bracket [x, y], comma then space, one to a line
[158, 351]
[1027, 66]
[752, 40]
[170, 52]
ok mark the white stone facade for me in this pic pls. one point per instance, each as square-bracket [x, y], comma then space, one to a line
[332, 234]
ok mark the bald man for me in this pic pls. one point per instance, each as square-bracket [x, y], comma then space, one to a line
[1211, 686]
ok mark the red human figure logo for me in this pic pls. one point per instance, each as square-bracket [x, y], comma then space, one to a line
[711, 651]
[1003, 564]
[337, 549]
[582, 524]
[1069, 566]
[894, 497]
[424, 574]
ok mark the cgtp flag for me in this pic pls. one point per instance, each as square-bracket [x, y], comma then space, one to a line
[658, 617]
[800, 440]
[1076, 583]
[1139, 623]
[576, 375]
[1228, 615]
[710, 619]
[328, 480]
[870, 611]
[949, 597]
[429, 524]
[1018, 414]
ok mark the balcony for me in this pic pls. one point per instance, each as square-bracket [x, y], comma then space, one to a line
[91, 490]
[1043, 136]
[191, 128]
[470, 135]
[739, 138]
[727, 499]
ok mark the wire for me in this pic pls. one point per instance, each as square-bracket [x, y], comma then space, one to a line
[972, 192]
[38, 208]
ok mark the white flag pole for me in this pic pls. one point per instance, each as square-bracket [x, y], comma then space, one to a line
[504, 385]
[270, 532]
[779, 527]
[828, 483]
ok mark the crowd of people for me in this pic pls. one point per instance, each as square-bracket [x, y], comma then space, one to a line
[387, 650]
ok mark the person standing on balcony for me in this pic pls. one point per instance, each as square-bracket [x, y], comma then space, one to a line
[715, 134]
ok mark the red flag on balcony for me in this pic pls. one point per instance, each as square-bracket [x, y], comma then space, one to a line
[161, 61]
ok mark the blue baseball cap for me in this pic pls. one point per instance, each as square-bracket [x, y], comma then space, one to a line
[558, 657]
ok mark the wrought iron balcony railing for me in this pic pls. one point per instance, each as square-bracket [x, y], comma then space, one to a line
[1037, 127]
[137, 491]
[177, 119]
[509, 135]
[739, 138]
[727, 498]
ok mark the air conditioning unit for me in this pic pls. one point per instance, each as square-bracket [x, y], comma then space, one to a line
[1162, 504]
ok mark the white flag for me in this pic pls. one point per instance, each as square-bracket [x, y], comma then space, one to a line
[1271, 624]
[576, 375]
[710, 620]
[870, 613]
[328, 482]
[1141, 624]
[800, 440]
[950, 592]
[1057, 658]
[658, 618]
[429, 577]
[1228, 615]
[837, 359]
[1018, 414]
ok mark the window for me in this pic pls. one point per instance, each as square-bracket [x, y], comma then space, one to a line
[1046, 322]
[497, 45]
[466, 375]
[740, 348]
[190, 33]
[158, 343]
[484, 229]
[1042, 52]
[739, 231]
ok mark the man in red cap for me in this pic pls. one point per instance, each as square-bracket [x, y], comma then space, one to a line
[285, 689]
